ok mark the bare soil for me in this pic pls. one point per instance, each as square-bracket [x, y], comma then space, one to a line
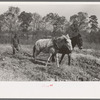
[85, 66]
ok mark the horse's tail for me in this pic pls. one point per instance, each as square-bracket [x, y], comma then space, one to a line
[34, 51]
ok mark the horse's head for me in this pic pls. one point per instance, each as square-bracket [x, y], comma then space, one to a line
[79, 41]
[68, 42]
[62, 41]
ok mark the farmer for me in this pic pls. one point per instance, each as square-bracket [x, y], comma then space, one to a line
[15, 44]
[75, 27]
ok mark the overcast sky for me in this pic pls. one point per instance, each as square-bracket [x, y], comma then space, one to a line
[63, 9]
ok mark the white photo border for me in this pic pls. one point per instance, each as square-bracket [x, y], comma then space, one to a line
[61, 90]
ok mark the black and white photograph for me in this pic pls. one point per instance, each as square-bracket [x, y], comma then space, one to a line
[52, 42]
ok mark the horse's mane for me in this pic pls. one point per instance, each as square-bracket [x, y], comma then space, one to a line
[79, 35]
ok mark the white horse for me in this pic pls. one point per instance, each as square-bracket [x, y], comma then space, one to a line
[51, 46]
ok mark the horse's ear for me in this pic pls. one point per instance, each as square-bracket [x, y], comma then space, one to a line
[67, 36]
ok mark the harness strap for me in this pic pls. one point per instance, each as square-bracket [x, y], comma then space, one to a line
[55, 44]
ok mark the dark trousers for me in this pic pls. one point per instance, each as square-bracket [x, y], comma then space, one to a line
[15, 48]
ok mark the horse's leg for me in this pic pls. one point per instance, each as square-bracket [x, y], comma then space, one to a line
[48, 59]
[57, 60]
[53, 57]
[34, 52]
[61, 58]
[34, 55]
[69, 58]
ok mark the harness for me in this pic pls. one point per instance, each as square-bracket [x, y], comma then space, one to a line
[55, 44]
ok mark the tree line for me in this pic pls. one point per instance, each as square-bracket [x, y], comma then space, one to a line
[32, 25]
